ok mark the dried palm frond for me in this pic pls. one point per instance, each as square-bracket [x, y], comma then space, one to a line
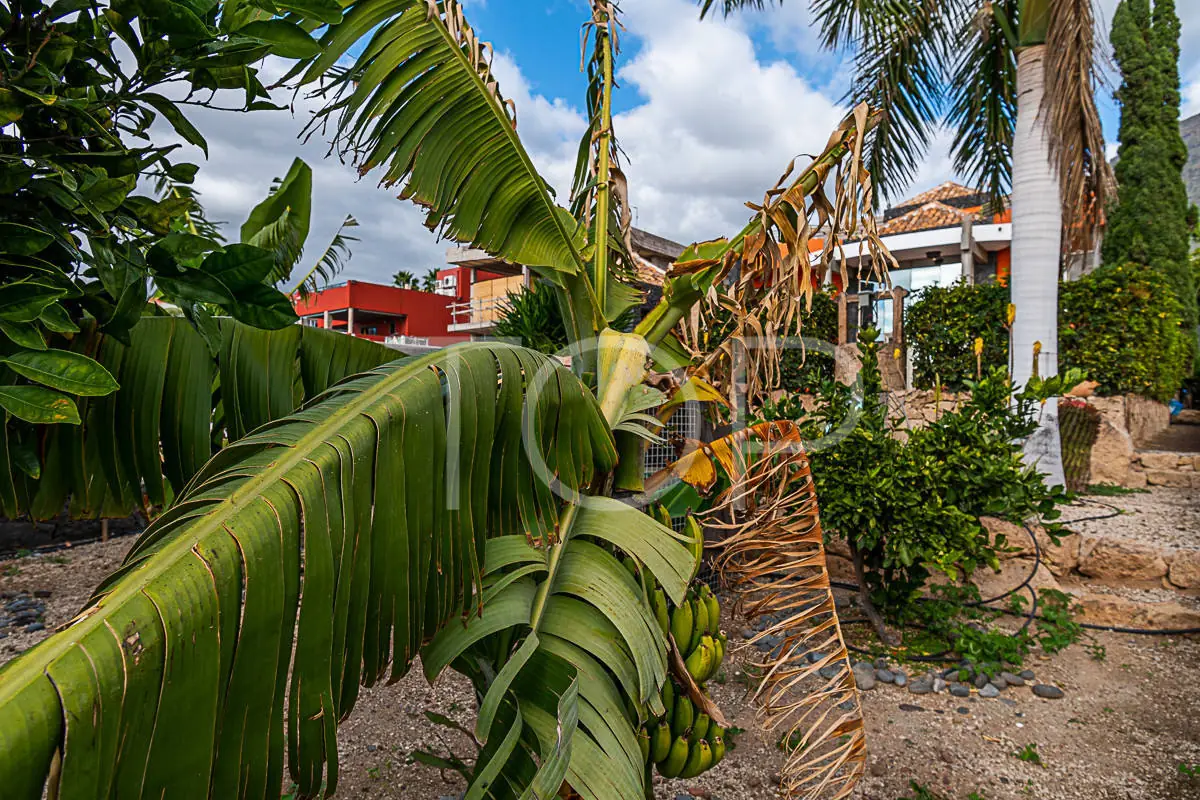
[772, 555]
[771, 271]
[1077, 140]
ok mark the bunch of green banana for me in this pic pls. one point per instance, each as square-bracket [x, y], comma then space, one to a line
[695, 626]
[683, 743]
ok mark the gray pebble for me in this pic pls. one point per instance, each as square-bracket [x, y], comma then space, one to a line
[989, 690]
[884, 676]
[747, 633]
[1027, 674]
[863, 666]
[815, 656]
[1008, 702]
[959, 690]
[1048, 692]
[910, 707]
[939, 685]
[769, 642]
[371, 748]
[1012, 680]
[899, 678]
[865, 681]
[34, 627]
[881, 663]
[999, 682]
[980, 680]
[920, 687]
[963, 710]
[829, 672]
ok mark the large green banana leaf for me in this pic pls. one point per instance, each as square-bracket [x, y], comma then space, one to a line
[420, 101]
[305, 557]
[176, 405]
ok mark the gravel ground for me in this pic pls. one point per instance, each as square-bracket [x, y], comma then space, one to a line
[1161, 516]
[1125, 726]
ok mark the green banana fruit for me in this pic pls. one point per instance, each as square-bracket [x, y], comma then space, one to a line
[718, 652]
[699, 728]
[714, 613]
[676, 759]
[695, 534]
[699, 663]
[660, 611]
[715, 731]
[668, 698]
[660, 743]
[681, 627]
[699, 760]
[699, 623]
[685, 714]
[718, 750]
[644, 744]
[664, 516]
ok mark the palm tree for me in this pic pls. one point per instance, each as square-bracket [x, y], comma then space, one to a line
[458, 507]
[429, 281]
[1014, 80]
[404, 279]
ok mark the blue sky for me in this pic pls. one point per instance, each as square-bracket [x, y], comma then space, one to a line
[708, 113]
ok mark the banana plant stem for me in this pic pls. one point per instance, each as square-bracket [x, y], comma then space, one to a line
[603, 164]
[565, 523]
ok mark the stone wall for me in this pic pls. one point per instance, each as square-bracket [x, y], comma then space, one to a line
[1162, 468]
[915, 408]
[1125, 424]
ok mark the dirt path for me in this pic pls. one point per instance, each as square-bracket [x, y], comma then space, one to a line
[1126, 725]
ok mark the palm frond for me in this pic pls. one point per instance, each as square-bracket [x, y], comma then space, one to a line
[422, 104]
[331, 262]
[982, 100]
[157, 430]
[901, 56]
[1077, 138]
[772, 554]
[305, 558]
[281, 222]
[729, 6]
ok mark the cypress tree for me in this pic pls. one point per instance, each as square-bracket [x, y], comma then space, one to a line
[1148, 224]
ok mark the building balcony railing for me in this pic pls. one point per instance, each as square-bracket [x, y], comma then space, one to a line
[475, 315]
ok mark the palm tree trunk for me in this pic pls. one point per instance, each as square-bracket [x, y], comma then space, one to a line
[1037, 244]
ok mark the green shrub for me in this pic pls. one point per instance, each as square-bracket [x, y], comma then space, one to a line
[942, 327]
[1121, 325]
[912, 507]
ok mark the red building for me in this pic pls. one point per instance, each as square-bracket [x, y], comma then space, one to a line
[376, 312]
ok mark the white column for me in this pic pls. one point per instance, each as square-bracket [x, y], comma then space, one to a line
[325, 322]
[350, 321]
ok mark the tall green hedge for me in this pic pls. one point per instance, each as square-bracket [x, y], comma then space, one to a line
[942, 327]
[804, 370]
[1122, 325]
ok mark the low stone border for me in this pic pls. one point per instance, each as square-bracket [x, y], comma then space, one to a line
[1162, 468]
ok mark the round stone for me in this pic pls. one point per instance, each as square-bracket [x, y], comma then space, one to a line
[881, 663]
[1012, 680]
[1027, 674]
[999, 682]
[959, 690]
[920, 687]
[865, 681]
[981, 680]
[899, 678]
[910, 707]
[747, 633]
[884, 676]
[829, 672]
[989, 690]
[1048, 692]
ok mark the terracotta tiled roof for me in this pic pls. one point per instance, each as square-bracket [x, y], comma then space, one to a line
[927, 217]
[947, 191]
[648, 274]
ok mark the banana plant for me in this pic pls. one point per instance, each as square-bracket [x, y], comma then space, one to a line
[461, 507]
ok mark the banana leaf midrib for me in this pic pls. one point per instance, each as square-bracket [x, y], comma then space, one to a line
[510, 133]
[39, 660]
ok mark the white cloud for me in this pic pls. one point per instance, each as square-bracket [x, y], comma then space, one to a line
[717, 125]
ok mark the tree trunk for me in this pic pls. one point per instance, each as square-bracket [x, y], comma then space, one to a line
[864, 597]
[1037, 244]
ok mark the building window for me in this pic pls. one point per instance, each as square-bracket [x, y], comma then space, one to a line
[371, 330]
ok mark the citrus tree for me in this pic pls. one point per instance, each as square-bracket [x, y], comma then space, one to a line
[458, 507]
